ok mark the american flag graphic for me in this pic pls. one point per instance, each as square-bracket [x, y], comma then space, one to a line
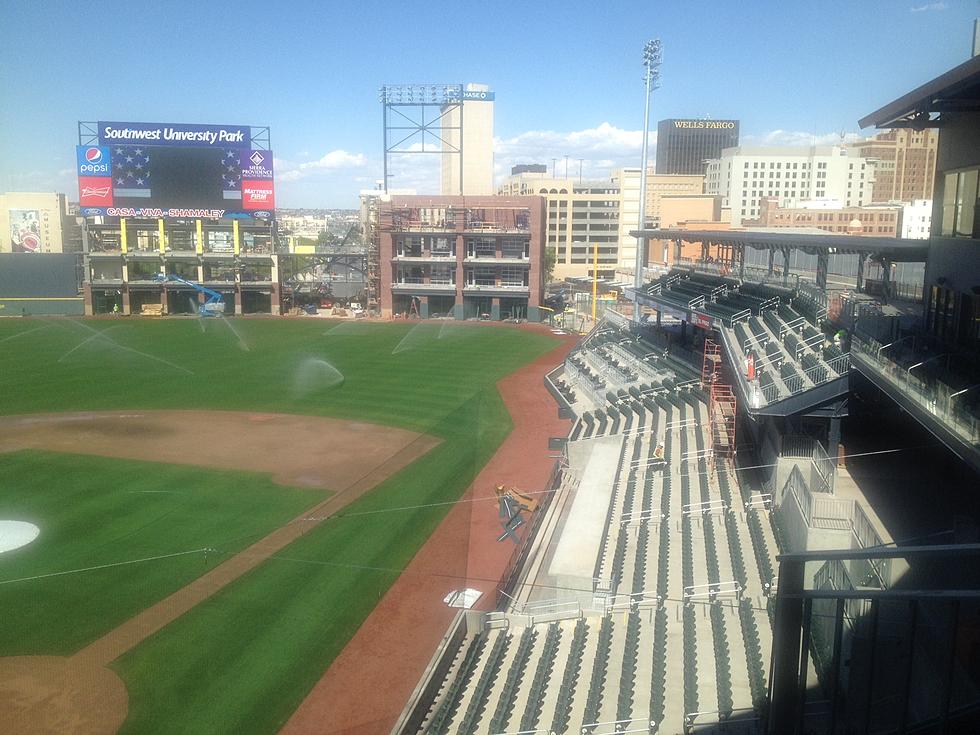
[131, 171]
[231, 173]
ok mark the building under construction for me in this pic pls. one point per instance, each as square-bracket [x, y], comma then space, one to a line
[462, 257]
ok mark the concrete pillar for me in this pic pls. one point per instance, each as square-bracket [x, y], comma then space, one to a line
[163, 300]
[784, 677]
[125, 301]
[772, 260]
[677, 250]
[238, 300]
[785, 266]
[495, 308]
[423, 307]
[862, 259]
[276, 303]
[741, 262]
[823, 263]
[459, 313]
[833, 438]
[886, 266]
[87, 298]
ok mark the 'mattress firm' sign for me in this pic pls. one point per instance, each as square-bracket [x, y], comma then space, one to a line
[706, 124]
[175, 134]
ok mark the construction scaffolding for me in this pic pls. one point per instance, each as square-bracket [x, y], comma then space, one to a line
[722, 405]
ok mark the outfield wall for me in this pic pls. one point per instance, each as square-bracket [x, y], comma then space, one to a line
[40, 283]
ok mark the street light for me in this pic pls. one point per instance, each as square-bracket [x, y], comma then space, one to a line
[652, 57]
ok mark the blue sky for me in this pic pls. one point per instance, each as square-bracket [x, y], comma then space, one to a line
[567, 75]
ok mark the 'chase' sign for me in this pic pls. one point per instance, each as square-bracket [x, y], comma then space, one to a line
[473, 95]
[175, 134]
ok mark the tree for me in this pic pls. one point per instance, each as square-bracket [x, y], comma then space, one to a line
[550, 260]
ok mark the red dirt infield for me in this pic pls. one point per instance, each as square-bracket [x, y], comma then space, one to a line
[369, 683]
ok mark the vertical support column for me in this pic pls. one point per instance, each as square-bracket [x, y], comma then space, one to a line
[125, 300]
[783, 690]
[238, 300]
[785, 266]
[123, 241]
[495, 308]
[161, 236]
[199, 242]
[87, 297]
[276, 304]
[823, 263]
[741, 260]
[236, 238]
[833, 438]
[677, 250]
[772, 260]
[459, 307]
[862, 259]
[886, 278]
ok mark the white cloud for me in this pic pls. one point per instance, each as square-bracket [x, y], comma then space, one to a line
[333, 161]
[928, 7]
[797, 137]
[602, 149]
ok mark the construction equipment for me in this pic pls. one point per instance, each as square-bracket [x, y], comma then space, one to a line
[524, 502]
[213, 306]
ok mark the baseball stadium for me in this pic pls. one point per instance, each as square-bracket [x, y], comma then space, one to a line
[737, 501]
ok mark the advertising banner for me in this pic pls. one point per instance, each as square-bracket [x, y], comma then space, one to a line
[175, 134]
[93, 160]
[25, 230]
[175, 170]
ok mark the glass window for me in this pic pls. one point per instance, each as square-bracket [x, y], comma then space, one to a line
[966, 202]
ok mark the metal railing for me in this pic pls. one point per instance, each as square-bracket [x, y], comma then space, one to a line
[934, 397]
[887, 659]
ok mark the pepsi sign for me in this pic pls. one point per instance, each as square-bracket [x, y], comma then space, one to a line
[93, 160]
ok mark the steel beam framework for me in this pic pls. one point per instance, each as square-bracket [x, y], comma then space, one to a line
[404, 121]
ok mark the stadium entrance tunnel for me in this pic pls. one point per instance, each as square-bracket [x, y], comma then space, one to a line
[513, 308]
[475, 307]
[181, 301]
[107, 301]
[139, 297]
[256, 302]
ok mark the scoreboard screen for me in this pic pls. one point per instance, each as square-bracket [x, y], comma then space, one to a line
[169, 170]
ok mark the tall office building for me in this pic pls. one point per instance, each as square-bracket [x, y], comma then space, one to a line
[580, 217]
[467, 131]
[744, 176]
[905, 164]
[683, 146]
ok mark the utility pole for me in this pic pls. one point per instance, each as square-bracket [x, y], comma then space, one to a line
[652, 58]
[553, 162]
[580, 171]
[566, 165]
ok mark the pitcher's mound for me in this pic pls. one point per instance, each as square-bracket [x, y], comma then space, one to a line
[48, 694]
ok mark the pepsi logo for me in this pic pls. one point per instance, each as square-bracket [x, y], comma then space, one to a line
[93, 155]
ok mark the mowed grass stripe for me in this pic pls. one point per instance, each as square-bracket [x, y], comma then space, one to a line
[411, 389]
[244, 659]
[94, 511]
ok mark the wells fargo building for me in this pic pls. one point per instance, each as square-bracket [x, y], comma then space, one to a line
[683, 146]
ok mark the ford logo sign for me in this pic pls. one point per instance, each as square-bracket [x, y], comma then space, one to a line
[262, 214]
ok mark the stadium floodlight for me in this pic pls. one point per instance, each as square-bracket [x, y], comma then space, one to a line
[652, 58]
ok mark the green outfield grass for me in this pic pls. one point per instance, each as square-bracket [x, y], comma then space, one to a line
[95, 511]
[244, 659]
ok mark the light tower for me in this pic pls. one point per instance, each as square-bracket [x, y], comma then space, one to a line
[652, 58]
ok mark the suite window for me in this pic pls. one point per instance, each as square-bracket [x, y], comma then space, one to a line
[960, 204]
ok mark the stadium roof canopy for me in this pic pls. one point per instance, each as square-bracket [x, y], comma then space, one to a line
[898, 250]
[958, 90]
